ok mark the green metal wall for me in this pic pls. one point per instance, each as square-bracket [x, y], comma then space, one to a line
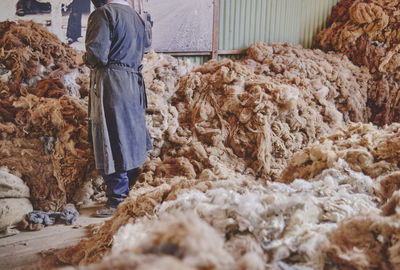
[231, 56]
[243, 22]
[202, 59]
[195, 59]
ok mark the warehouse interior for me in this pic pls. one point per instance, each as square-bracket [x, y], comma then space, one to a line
[277, 146]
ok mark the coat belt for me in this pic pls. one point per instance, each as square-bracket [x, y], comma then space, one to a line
[138, 72]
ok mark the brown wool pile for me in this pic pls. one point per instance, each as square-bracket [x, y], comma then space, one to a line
[252, 115]
[267, 162]
[366, 148]
[43, 114]
[237, 125]
[339, 217]
[162, 73]
[369, 240]
[367, 31]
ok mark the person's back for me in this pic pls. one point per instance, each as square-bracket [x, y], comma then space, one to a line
[126, 48]
[125, 42]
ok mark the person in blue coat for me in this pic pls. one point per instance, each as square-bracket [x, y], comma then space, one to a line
[115, 42]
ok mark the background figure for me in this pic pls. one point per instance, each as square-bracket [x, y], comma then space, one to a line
[28, 7]
[74, 28]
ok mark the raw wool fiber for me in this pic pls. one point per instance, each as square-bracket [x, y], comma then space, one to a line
[146, 262]
[367, 31]
[181, 235]
[161, 73]
[43, 123]
[235, 223]
[368, 241]
[47, 146]
[34, 55]
[330, 78]
[254, 113]
[365, 148]
[142, 200]
[235, 123]
[178, 240]
[280, 222]
[43, 111]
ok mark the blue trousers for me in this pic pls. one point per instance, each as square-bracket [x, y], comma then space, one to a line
[117, 185]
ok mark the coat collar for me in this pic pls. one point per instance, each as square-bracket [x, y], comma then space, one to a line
[119, 2]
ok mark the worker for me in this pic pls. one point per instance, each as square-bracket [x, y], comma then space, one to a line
[115, 43]
[74, 27]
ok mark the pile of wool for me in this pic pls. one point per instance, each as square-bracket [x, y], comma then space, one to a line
[235, 223]
[345, 214]
[367, 31]
[142, 200]
[370, 240]
[161, 73]
[365, 148]
[255, 112]
[43, 123]
[46, 145]
[38, 62]
[239, 123]
[43, 113]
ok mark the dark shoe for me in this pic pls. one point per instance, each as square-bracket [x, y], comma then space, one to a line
[20, 12]
[107, 211]
[71, 40]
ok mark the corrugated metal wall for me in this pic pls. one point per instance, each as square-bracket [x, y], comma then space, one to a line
[231, 56]
[195, 59]
[243, 22]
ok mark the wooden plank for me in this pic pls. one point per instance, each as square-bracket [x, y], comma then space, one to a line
[187, 53]
[215, 35]
[231, 52]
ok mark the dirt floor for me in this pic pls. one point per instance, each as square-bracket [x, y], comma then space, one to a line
[27, 248]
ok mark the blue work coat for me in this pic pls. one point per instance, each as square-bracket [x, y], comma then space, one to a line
[115, 41]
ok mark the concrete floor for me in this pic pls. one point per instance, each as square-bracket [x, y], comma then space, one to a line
[27, 248]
